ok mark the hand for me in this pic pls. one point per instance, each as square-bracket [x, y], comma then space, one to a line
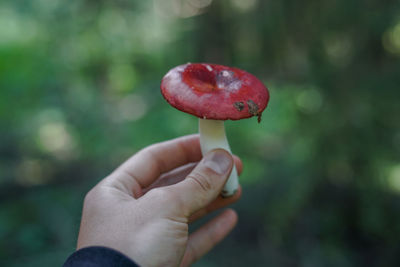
[144, 207]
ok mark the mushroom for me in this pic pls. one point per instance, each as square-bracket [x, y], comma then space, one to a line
[215, 93]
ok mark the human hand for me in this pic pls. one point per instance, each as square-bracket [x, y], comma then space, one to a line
[144, 207]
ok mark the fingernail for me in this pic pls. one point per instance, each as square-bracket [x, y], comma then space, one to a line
[219, 161]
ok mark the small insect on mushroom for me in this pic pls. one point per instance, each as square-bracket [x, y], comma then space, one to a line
[215, 93]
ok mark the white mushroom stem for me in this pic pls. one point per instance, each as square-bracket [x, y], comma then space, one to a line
[212, 136]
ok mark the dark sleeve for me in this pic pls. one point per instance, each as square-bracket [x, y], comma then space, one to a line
[98, 257]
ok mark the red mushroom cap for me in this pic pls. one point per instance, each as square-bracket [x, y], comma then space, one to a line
[216, 92]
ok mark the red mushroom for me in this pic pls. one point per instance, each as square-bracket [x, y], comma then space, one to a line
[215, 93]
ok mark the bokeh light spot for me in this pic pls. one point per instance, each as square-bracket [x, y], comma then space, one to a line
[394, 178]
[54, 135]
[391, 39]
[200, 3]
[16, 29]
[244, 5]
[121, 77]
[309, 101]
[55, 138]
[181, 9]
[130, 108]
[32, 172]
[339, 49]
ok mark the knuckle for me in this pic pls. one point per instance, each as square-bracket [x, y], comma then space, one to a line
[90, 197]
[201, 180]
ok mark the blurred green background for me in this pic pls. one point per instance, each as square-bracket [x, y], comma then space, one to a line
[79, 85]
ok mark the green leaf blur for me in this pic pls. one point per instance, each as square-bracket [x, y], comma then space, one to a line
[79, 93]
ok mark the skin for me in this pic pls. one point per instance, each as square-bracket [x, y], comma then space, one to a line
[143, 209]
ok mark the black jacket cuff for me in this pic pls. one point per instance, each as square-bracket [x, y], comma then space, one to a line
[98, 257]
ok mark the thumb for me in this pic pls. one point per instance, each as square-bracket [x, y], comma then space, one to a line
[205, 182]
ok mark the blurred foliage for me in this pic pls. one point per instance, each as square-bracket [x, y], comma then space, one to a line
[79, 85]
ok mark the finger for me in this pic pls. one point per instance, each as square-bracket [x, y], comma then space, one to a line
[238, 164]
[204, 183]
[220, 202]
[205, 238]
[177, 175]
[147, 165]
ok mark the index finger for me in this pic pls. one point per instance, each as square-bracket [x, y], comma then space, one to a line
[149, 163]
